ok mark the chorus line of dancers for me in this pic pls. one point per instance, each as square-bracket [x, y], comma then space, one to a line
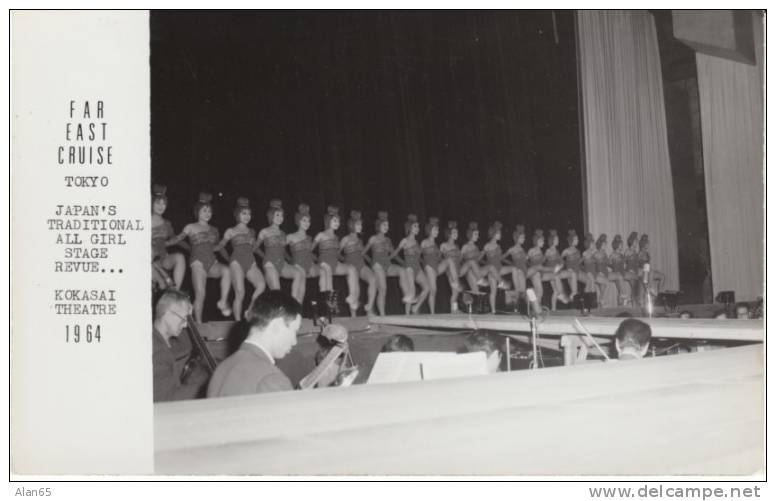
[416, 264]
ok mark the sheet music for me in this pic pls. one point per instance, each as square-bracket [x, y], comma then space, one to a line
[399, 367]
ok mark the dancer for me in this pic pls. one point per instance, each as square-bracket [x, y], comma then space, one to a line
[631, 274]
[616, 264]
[518, 260]
[472, 255]
[536, 263]
[601, 271]
[571, 259]
[204, 265]
[413, 273]
[301, 245]
[273, 239]
[588, 275]
[554, 272]
[353, 249]
[381, 248]
[328, 246]
[161, 233]
[434, 265]
[452, 255]
[242, 264]
[494, 267]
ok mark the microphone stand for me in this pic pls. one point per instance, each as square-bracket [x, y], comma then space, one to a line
[650, 307]
[532, 320]
[532, 314]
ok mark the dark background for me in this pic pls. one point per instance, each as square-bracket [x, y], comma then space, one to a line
[462, 115]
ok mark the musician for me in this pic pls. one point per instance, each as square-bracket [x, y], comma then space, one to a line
[398, 342]
[203, 238]
[161, 232]
[274, 320]
[742, 310]
[631, 339]
[170, 315]
[485, 342]
[332, 369]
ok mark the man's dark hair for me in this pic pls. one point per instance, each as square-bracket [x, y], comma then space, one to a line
[482, 341]
[270, 305]
[168, 298]
[718, 312]
[633, 333]
[399, 342]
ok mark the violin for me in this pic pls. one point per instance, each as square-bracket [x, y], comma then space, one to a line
[339, 336]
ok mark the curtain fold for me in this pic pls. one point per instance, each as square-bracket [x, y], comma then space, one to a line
[731, 99]
[627, 166]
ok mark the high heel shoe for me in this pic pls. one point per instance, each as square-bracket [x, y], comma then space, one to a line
[352, 302]
[224, 309]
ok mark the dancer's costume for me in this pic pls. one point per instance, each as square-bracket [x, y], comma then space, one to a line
[242, 249]
[202, 244]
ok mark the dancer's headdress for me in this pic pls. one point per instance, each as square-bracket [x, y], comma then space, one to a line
[451, 225]
[382, 217]
[432, 222]
[242, 204]
[355, 217]
[519, 230]
[494, 228]
[411, 219]
[571, 236]
[203, 200]
[332, 211]
[274, 206]
[473, 226]
[632, 238]
[301, 212]
[158, 191]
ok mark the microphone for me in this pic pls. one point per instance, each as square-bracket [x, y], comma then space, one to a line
[536, 308]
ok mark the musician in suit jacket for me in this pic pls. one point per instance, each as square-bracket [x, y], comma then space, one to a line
[170, 315]
[274, 320]
[632, 338]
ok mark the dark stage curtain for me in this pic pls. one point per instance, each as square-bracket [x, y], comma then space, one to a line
[463, 115]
